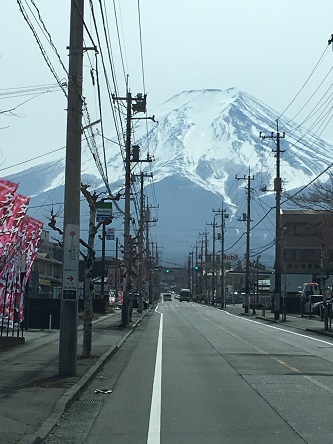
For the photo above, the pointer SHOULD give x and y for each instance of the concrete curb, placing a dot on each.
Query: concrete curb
(320, 332)
(72, 394)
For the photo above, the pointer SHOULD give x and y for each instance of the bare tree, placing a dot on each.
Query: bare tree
(89, 261)
(318, 197)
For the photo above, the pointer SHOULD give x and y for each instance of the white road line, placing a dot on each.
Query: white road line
(322, 341)
(154, 430)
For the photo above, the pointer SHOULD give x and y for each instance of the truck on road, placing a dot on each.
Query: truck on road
(185, 295)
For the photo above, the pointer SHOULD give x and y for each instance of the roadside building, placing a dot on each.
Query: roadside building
(307, 242)
(46, 275)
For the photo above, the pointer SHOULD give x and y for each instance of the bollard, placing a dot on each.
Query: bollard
(263, 308)
(50, 322)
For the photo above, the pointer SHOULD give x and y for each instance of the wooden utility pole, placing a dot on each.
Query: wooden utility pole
(136, 104)
(247, 219)
(141, 238)
(202, 271)
(206, 267)
(213, 262)
(278, 246)
(222, 213)
(71, 236)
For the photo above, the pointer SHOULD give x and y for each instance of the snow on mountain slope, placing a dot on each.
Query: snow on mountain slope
(209, 136)
(205, 138)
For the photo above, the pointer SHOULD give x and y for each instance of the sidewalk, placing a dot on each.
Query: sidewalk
(313, 324)
(32, 395)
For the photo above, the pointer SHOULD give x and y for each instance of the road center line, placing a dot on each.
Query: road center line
(154, 430)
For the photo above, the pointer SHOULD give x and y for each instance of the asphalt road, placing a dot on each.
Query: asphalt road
(195, 374)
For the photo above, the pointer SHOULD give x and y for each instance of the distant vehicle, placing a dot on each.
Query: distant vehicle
(167, 297)
(310, 288)
(185, 295)
(314, 305)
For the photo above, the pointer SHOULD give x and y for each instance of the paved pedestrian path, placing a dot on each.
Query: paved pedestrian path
(32, 395)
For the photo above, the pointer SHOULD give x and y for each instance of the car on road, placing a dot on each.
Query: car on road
(167, 297)
(185, 295)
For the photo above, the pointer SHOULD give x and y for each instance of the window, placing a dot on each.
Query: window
(307, 229)
(301, 255)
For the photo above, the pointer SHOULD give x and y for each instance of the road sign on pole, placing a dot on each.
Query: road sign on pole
(103, 211)
(110, 234)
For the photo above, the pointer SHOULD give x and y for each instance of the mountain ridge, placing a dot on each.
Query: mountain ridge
(208, 138)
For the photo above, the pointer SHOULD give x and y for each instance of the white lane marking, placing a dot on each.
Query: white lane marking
(154, 430)
(281, 329)
(294, 369)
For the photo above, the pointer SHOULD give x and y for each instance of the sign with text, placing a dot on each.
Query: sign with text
(103, 211)
(71, 261)
(110, 234)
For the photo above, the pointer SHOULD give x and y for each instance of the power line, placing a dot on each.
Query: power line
(40, 45)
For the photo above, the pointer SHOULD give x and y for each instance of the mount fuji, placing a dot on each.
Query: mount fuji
(205, 145)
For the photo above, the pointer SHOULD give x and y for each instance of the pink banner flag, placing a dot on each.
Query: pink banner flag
(33, 235)
(7, 191)
(11, 225)
(16, 271)
(11, 252)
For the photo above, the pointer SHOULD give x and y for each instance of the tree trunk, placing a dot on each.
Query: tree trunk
(87, 316)
(88, 287)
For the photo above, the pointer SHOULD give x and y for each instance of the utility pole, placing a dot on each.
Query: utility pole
(127, 218)
(71, 236)
(222, 213)
(116, 279)
(202, 282)
(247, 218)
(213, 261)
(148, 255)
(141, 237)
(189, 271)
(256, 270)
(137, 105)
(323, 278)
(278, 246)
(103, 264)
(206, 258)
(195, 271)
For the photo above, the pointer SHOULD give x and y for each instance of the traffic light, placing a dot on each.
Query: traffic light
(197, 267)
(167, 270)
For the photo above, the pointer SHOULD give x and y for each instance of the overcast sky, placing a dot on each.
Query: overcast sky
(263, 47)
